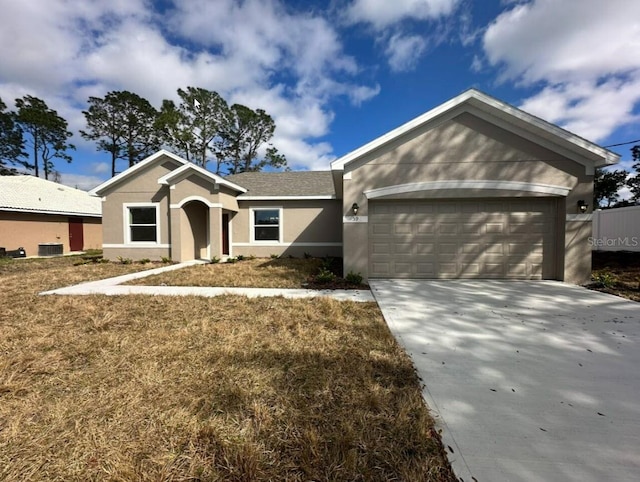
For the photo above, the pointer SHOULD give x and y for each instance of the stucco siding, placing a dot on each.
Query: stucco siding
(577, 262)
(28, 230)
(465, 148)
(196, 188)
(308, 226)
(227, 198)
(113, 214)
(92, 233)
(193, 186)
(146, 179)
(154, 254)
(140, 189)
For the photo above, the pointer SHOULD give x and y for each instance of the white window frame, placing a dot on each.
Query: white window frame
(127, 226)
(252, 230)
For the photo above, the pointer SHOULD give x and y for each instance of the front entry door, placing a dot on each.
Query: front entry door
(76, 234)
(225, 233)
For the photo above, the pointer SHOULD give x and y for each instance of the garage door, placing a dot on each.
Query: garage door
(481, 238)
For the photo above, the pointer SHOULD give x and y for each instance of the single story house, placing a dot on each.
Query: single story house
(38, 215)
(474, 188)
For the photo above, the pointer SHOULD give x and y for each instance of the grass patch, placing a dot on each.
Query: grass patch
(617, 272)
(38, 274)
(227, 388)
(249, 273)
(242, 272)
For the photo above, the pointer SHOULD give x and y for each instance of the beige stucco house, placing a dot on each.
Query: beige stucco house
(474, 188)
(37, 214)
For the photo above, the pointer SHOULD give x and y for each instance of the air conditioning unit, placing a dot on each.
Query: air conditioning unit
(50, 249)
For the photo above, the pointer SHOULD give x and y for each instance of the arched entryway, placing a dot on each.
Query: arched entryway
(195, 231)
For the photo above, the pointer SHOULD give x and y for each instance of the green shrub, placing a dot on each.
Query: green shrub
(604, 279)
(252, 256)
(240, 257)
(165, 260)
(307, 255)
(215, 260)
(353, 278)
(328, 262)
(144, 261)
(122, 260)
(325, 276)
(275, 256)
(232, 260)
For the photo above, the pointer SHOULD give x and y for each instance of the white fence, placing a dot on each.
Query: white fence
(616, 229)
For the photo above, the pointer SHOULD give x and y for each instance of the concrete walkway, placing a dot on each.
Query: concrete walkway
(529, 380)
(114, 287)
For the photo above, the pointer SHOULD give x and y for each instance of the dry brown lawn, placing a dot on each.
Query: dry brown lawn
(38, 274)
(249, 273)
(229, 388)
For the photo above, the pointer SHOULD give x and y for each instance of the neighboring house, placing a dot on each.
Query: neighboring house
(36, 212)
(474, 188)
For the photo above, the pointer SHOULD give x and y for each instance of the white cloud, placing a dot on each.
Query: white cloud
(476, 64)
(264, 38)
(383, 13)
(394, 24)
(565, 41)
(301, 155)
(254, 52)
(586, 54)
(468, 33)
(403, 52)
(45, 45)
(100, 168)
(80, 181)
(588, 108)
(362, 93)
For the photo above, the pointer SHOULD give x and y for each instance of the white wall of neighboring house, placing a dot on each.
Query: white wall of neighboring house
(616, 229)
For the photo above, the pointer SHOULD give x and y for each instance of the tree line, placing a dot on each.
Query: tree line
(607, 184)
(203, 128)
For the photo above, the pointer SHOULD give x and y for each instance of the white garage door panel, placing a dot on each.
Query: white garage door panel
(463, 239)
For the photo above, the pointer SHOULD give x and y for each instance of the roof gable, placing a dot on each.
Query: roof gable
(185, 170)
(133, 170)
(503, 115)
(189, 169)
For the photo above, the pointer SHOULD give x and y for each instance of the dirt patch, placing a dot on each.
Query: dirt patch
(617, 272)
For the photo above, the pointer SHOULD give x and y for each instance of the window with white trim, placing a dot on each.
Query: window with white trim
(266, 224)
(142, 223)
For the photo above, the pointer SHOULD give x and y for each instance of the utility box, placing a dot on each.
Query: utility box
(16, 253)
(50, 249)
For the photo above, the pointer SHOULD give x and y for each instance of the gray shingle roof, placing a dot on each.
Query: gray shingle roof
(280, 184)
(32, 194)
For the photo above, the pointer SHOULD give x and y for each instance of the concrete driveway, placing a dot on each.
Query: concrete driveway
(529, 380)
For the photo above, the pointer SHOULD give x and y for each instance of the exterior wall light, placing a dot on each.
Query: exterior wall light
(355, 208)
(582, 206)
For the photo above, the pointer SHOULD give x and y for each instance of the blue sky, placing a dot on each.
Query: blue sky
(333, 74)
